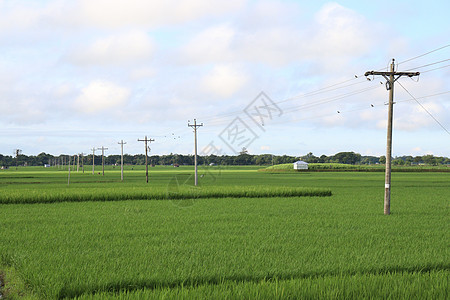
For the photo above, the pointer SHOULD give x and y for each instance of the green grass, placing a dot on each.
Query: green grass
(47, 186)
(271, 247)
(390, 285)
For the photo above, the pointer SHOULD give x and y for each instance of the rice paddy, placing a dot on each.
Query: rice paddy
(240, 234)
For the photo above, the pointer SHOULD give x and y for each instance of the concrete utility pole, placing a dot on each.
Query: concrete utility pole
(121, 159)
(391, 77)
(146, 155)
(103, 159)
(195, 141)
(93, 161)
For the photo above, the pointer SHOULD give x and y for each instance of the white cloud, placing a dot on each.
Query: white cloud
(100, 96)
(211, 45)
(141, 73)
(109, 14)
(339, 35)
(224, 81)
(417, 117)
(18, 16)
(133, 46)
(118, 13)
(336, 35)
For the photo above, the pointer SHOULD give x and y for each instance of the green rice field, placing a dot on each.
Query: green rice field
(241, 234)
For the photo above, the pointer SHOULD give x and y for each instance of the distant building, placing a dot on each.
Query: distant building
(300, 165)
(47, 166)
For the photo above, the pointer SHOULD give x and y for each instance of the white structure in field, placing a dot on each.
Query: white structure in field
(300, 165)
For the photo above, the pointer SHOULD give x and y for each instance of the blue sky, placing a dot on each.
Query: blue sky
(81, 74)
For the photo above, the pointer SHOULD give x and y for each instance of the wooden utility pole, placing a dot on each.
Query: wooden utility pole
(82, 161)
(103, 159)
(391, 77)
(93, 161)
(17, 152)
(194, 126)
(146, 155)
(121, 159)
(68, 177)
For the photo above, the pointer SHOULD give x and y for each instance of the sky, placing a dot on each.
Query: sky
(279, 77)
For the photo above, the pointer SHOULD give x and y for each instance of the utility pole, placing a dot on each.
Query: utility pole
(68, 177)
(17, 152)
(391, 77)
(78, 162)
(121, 159)
(103, 159)
(195, 142)
(82, 161)
(146, 154)
(93, 161)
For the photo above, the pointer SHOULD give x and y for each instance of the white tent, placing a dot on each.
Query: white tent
(300, 165)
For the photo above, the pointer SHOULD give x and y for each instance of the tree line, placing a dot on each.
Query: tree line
(244, 158)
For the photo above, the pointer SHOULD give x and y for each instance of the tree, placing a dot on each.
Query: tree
(398, 162)
(310, 158)
(347, 157)
(429, 159)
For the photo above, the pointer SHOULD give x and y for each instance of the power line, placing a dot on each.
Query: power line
(336, 86)
(429, 52)
(425, 109)
(446, 66)
(427, 65)
(326, 89)
(330, 99)
(313, 104)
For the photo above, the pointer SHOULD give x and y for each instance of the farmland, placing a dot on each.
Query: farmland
(229, 238)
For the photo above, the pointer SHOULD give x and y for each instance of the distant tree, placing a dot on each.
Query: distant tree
(382, 159)
(369, 160)
(429, 159)
(347, 157)
(310, 158)
(398, 162)
(323, 159)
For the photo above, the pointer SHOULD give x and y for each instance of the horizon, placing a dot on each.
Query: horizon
(278, 77)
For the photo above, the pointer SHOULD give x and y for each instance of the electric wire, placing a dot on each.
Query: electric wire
(309, 94)
(427, 65)
(336, 86)
(339, 85)
(424, 54)
(426, 71)
(424, 109)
